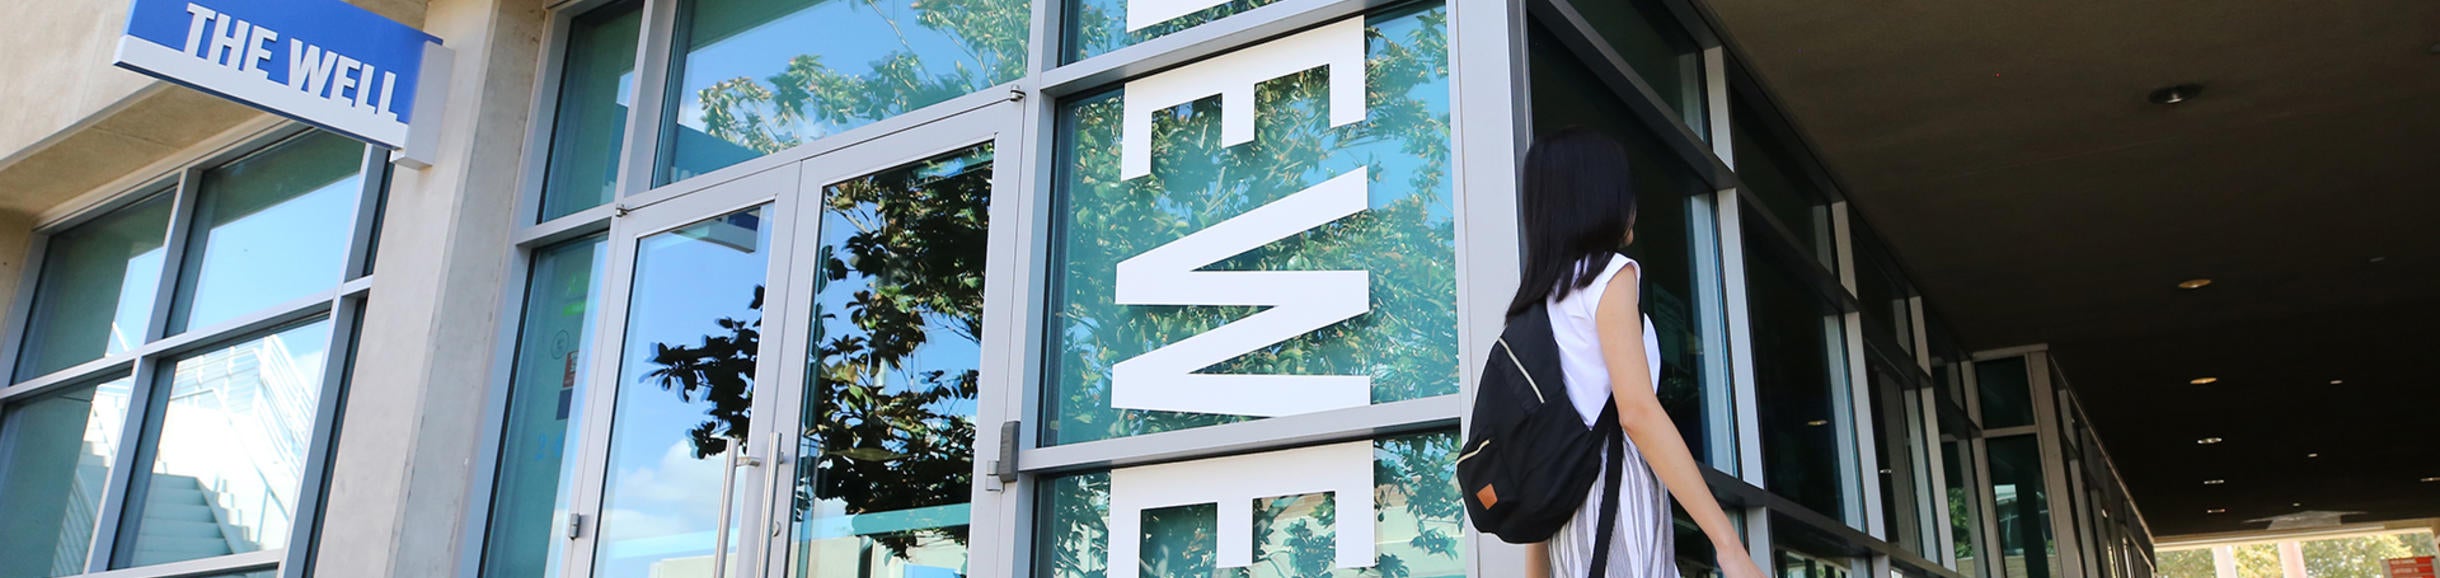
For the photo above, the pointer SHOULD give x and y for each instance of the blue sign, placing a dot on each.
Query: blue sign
(324, 62)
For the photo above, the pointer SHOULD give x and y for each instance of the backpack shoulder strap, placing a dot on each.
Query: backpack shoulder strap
(1614, 454)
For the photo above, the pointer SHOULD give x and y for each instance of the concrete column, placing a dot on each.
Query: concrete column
(2224, 561)
(2291, 558)
(401, 480)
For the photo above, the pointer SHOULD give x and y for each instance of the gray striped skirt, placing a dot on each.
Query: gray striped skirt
(1643, 545)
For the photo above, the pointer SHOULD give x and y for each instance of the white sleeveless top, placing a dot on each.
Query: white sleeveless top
(1571, 323)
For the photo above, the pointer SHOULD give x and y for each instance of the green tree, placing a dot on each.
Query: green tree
(2193, 563)
(2358, 556)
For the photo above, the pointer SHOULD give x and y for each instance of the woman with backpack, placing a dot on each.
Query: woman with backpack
(1579, 210)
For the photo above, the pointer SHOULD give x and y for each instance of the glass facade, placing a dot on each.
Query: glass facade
(2006, 394)
(50, 528)
(531, 492)
(894, 373)
(747, 80)
(1673, 241)
(2026, 545)
(1657, 48)
(1404, 237)
(589, 124)
(97, 288)
(1096, 27)
(1776, 178)
(269, 229)
(1801, 385)
(229, 452)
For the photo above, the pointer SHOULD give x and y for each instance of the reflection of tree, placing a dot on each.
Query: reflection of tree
(1408, 343)
(771, 114)
(913, 264)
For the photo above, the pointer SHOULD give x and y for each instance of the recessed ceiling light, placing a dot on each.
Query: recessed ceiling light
(1818, 423)
(2380, 259)
(2430, 480)
(2203, 380)
(2296, 504)
(2216, 511)
(2338, 382)
(2176, 94)
(2313, 455)
(2192, 284)
(2214, 482)
(2209, 441)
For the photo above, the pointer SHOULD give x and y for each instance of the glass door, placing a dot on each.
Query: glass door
(674, 458)
(905, 376)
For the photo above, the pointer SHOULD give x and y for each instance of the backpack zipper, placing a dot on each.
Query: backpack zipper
(1529, 381)
(1477, 450)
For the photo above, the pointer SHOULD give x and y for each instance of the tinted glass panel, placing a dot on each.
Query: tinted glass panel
(888, 433)
(554, 345)
(1657, 47)
(97, 288)
(1669, 232)
(2007, 398)
(1095, 27)
(270, 229)
(1799, 358)
(58, 457)
(1772, 171)
(1416, 521)
(754, 77)
(685, 387)
(590, 121)
(1404, 237)
(2025, 542)
(1964, 503)
(1892, 413)
(231, 447)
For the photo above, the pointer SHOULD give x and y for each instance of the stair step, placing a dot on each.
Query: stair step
(178, 511)
(160, 528)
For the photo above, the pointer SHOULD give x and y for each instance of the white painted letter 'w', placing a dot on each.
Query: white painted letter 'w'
(1299, 302)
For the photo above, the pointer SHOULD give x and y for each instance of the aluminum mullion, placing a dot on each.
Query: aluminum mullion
(118, 514)
(173, 254)
(1491, 116)
(1028, 244)
(601, 395)
(1864, 545)
(258, 560)
(1361, 422)
(346, 320)
(542, 114)
(1210, 39)
(997, 510)
(373, 180)
(283, 314)
(1741, 337)
(65, 377)
(1944, 532)
(497, 395)
(591, 221)
(639, 145)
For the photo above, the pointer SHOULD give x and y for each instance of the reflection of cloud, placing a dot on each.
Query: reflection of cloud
(676, 495)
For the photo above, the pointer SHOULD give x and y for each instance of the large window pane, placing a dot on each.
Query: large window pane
(2007, 395)
(229, 455)
(1095, 27)
(1416, 522)
(753, 77)
(1799, 371)
(57, 458)
(97, 287)
(1657, 47)
(1773, 171)
(1405, 237)
(554, 344)
(1964, 503)
(1669, 228)
(685, 388)
(591, 116)
(1893, 416)
(2026, 546)
(888, 433)
(270, 229)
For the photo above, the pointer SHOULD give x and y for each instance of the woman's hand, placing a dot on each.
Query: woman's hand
(1734, 563)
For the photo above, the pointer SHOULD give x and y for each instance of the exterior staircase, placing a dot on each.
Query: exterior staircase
(181, 524)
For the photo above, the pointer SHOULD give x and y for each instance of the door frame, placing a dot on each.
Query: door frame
(991, 536)
(771, 188)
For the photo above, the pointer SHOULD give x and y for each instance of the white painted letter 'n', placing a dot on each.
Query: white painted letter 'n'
(1298, 302)
(1344, 470)
(1338, 46)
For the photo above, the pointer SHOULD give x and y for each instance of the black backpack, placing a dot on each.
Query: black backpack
(1529, 461)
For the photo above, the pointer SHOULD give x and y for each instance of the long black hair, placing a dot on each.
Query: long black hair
(1579, 206)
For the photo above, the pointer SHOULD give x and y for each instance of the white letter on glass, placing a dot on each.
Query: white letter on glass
(1299, 302)
(1233, 483)
(1339, 46)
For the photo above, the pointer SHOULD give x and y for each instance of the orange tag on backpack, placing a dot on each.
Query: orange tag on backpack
(1488, 497)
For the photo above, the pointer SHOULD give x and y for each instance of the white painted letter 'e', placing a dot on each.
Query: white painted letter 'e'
(1299, 302)
(1338, 45)
(1233, 483)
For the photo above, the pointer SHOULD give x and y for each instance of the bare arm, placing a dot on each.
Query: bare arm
(1639, 410)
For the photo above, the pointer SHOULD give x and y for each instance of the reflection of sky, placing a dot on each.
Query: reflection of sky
(685, 280)
(282, 252)
(847, 35)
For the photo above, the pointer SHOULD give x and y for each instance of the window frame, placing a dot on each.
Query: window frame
(150, 364)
